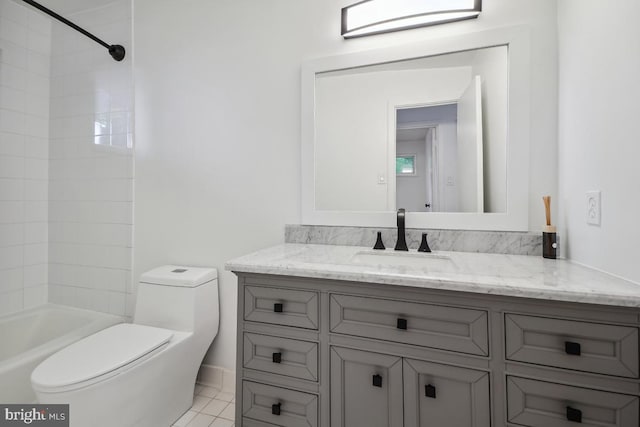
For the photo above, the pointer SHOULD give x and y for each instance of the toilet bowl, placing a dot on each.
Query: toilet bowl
(142, 373)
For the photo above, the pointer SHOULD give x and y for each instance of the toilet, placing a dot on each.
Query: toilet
(142, 373)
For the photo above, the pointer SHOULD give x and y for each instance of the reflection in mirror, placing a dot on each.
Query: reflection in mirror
(426, 134)
(447, 168)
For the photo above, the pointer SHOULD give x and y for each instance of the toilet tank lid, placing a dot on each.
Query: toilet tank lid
(176, 275)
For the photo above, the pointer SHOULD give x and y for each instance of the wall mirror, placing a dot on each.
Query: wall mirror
(437, 128)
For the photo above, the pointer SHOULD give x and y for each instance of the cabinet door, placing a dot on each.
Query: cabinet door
(366, 389)
(445, 396)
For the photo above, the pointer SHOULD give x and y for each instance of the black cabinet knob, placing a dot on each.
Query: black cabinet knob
(572, 348)
(430, 391)
(275, 409)
(276, 357)
(402, 324)
(277, 307)
(574, 414)
(377, 381)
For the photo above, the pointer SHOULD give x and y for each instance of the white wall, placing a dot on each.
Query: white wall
(25, 43)
(599, 63)
(91, 164)
(218, 122)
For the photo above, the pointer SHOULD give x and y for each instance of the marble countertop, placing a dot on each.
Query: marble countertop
(494, 274)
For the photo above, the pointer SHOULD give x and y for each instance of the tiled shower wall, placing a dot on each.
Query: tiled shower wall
(91, 163)
(24, 121)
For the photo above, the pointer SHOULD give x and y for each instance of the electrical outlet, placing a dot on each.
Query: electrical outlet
(593, 207)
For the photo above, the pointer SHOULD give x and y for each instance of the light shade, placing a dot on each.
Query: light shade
(382, 16)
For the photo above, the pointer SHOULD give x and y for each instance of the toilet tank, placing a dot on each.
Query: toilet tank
(179, 298)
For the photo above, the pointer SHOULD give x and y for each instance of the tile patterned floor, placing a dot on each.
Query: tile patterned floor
(211, 408)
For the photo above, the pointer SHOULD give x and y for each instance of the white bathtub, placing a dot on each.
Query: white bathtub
(30, 336)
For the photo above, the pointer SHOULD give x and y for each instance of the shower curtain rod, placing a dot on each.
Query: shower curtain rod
(116, 51)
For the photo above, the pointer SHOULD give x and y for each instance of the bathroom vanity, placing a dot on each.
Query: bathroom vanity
(345, 336)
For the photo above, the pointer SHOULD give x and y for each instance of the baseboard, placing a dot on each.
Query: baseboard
(217, 377)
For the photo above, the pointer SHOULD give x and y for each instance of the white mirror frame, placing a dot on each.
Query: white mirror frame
(516, 217)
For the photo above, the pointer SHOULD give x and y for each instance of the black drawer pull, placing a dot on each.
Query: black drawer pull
(377, 381)
(277, 307)
(430, 391)
(574, 415)
(572, 348)
(275, 409)
(402, 324)
(276, 357)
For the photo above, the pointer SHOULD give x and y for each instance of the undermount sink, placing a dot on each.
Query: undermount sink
(402, 259)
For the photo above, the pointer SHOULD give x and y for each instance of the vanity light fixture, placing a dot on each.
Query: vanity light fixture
(370, 17)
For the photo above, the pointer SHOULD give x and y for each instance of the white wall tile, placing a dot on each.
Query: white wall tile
(11, 234)
(35, 211)
(36, 275)
(117, 303)
(36, 168)
(11, 189)
(13, 77)
(37, 104)
(11, 280)
(37, 148)
(36, 232)
(35, 190)
(39, 23)
(39, 42)
(100, 300)
(14, 11)
(12, 121)
(38, 63)
(36, 126)
(13, 54)
(35, 296)
(11, 257)
(11, 144)
(35, 254)
(90, 255)
(13, 31)
(11, 167)
(13, 99)
(11, 302)
(11, 212)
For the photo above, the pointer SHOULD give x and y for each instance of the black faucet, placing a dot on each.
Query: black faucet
(401, 244)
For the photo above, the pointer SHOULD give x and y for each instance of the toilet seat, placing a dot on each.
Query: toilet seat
(99, 356)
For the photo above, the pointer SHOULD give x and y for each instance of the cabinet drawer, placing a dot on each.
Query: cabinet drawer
(279, 406)
(445, 396)
(286, 307)
(582, 346)
(283, 356)
(544, 404)
(448, 328)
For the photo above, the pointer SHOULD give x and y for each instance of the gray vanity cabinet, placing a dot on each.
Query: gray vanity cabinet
(445, 396)
(329, 353)
(366, 389)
